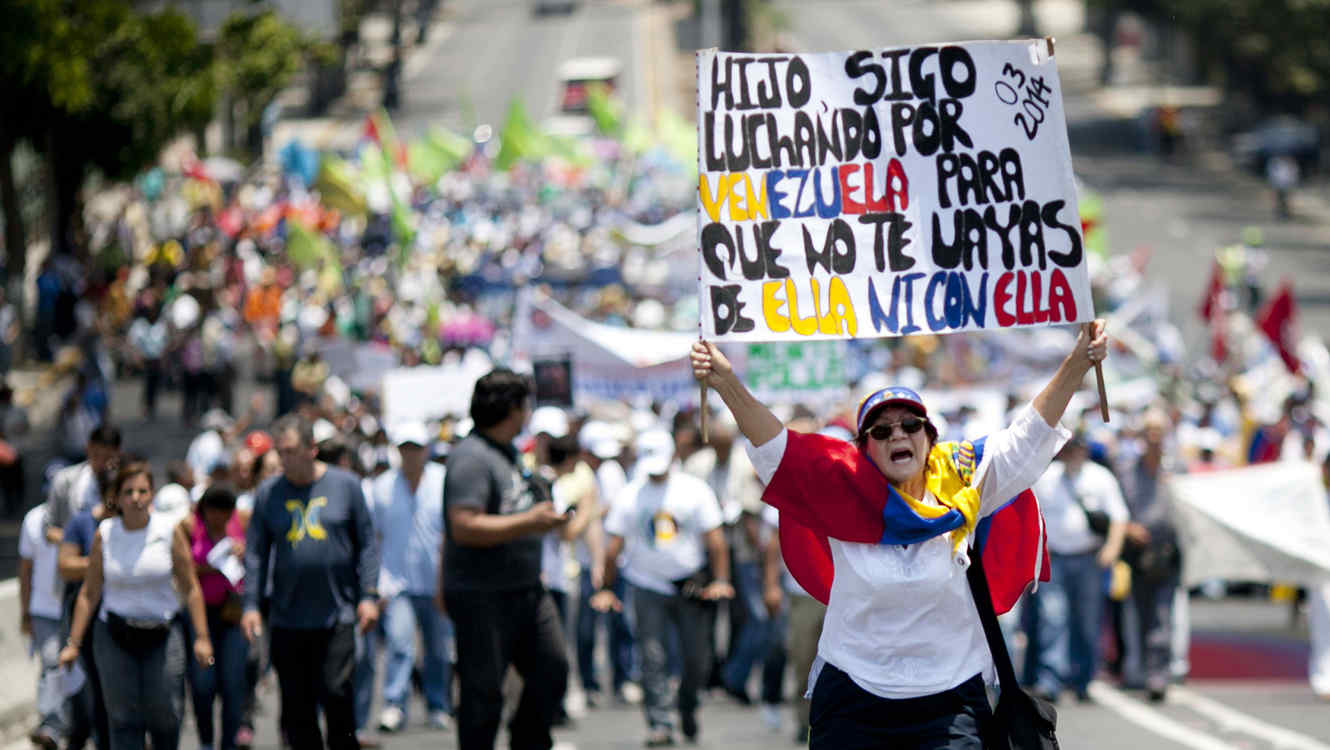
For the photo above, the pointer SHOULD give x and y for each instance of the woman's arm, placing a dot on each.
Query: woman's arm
(1091, 347)
(89, 594)
(1014, 458)
(72, 564)
(182, 569)
(755, 420)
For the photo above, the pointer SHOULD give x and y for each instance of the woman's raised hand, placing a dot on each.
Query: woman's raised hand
(709, 363)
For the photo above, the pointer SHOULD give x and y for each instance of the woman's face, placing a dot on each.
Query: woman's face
(216, 519)
(135, 497)
(901, 457)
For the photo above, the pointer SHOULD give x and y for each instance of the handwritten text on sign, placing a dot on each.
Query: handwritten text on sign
(885, 193)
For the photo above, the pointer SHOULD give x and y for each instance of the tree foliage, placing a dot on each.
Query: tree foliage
(1276, 51)
(257, 56)
(94, 84)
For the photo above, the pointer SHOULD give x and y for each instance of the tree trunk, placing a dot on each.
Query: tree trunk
(65, 180)
(16, 243)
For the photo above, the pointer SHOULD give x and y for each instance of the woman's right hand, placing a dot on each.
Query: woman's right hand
(710, 365)
(68, 655)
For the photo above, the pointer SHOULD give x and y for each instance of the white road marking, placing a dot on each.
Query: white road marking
(1142, 715)
(1231, 719)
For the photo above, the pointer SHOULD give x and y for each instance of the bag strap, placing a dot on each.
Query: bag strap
(983, 601)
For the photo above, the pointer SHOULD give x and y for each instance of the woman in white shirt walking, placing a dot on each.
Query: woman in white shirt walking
(902, 659)
(137, 563)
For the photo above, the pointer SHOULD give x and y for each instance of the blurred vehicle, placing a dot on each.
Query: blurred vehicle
(580, 73)
(1282, 136)
(553, 7)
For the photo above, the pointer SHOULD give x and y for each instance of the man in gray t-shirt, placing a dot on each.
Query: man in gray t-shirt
(495, 517)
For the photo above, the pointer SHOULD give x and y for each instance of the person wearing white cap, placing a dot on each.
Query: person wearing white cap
(600, 452)
(669, 526)
(407, 504)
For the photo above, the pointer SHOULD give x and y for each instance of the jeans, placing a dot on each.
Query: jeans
(314, 669)
(847, 717)
(658, 616)
(52, 712)
(621, 637)
(145, 693)
(496, 629)
(365, 674)
(751, 640)
(403, 617)
(226, 679)
(1063, 621)
(775, 660)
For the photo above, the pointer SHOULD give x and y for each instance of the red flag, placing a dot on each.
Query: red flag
(371, 130)
(1210, 303)
(1277, 320)
(1218, 339)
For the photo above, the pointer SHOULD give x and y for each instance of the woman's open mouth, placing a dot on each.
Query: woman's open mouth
(901, 456)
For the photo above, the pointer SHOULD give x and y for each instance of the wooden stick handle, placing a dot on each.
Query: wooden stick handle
(702, 408)
(1103, 395)
(1099, 380)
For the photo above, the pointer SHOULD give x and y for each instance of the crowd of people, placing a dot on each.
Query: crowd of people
(361, 561)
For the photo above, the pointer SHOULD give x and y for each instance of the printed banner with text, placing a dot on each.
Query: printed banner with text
(885, 193)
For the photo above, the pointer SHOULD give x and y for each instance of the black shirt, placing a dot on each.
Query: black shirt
(486, 476)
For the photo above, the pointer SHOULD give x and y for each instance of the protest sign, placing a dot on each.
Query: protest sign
(791, 371)
(424, 393)
(885, 193)
(1264, 523)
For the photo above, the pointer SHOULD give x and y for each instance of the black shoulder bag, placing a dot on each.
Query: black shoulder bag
(1097, 520)
(1021, 721)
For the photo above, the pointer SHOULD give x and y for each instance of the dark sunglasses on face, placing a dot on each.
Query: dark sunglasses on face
(909, 426)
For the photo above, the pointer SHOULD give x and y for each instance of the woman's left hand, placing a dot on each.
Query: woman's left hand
(1091, 344)
(203, 652)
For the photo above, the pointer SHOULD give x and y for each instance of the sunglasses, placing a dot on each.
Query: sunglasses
(909, 426)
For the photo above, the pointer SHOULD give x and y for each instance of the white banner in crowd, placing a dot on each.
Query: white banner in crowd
(885, 192)
(425, 393)
(618, 363)
(1264, 523)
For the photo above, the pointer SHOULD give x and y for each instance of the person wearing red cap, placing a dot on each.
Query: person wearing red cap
(881, 529)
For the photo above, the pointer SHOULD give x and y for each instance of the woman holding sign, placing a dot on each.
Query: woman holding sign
(881, 529)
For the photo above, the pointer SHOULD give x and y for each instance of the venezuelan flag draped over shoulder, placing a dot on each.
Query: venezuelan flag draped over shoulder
(829, 489)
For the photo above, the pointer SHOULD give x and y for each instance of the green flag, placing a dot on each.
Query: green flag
(306, 248)
(604, 111)
(517, 140)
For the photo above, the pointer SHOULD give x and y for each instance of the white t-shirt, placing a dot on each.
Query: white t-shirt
(610, 480)
(32, 545)
(901, 621)
(662, 525)
(1068, 530)
(137, 568)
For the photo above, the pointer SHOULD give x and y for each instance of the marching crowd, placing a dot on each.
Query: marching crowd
(359, 560)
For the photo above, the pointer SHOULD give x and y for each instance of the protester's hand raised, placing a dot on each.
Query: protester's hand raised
(1091, 345)
(709, 363)
(544, 517)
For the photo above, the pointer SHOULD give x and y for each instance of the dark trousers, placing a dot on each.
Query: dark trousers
(662, 619)
(314, 669)
(1152, 602)
(226, 679)
(620, 637)
(496, 629)
(846, 717)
